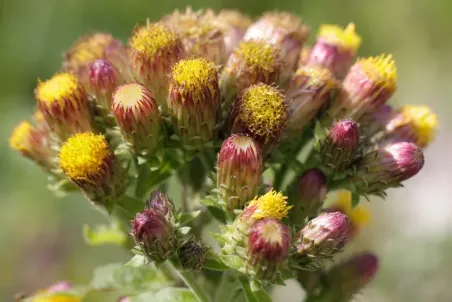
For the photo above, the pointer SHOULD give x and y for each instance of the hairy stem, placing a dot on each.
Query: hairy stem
(190, 281)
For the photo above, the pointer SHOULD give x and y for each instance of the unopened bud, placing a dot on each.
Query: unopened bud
(33, 143)
(233, 25)
(194, 97)
(388, 167)
(253, 62)
(261, 112)
(192, 255)
(375, 122)
(268, 248)
(282, 29)
(154, 234)
(138, 117)
(87, 161)
(308, 91)
(335, 49)
(323, 235)
(239, 170)
(103, 79)
(339, 149)
(153, 50)
(161, 203)
(64, 104)
(304, 56)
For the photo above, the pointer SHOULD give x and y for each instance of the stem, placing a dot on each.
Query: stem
(222, 290)
(190, 281)
(256, 296)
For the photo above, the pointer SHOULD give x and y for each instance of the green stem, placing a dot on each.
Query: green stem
(190, 281)
(223, 288)
(254, 296)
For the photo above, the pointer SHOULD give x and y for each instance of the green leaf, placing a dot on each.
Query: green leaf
(169, 294)
(127, 279)
(104, 234)
(217, 213)
(184, 230)
(355, 199)
(184, 218)
(214, 263)
(232, 261)
(319, 131)
(138, 261)
(130, 204)
(259, 295)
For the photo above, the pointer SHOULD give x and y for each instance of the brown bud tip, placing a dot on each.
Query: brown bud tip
(323, 235)
(312, 193)
(192, 255)
(103, 79)
(239, 170)
(160, 202)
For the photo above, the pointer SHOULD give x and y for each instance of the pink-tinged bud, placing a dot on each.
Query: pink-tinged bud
(308, 91)
(304, 56)
(369, 84)
(64, 104)
(376, 122)
(388, 167)
(33, 143)
(154, 234)
(239, 171)
(153, 49)
(311, 194)
(192, 255)
(323, 235)
(335, 49)
(268, 248)
(161, 203)
(138, 117)
(347, 279)
(193, 101)
(90, 48)
(261, 112)
(282, 29)
(201, 36)
(103, 79)
(339, 149)
(233, 25)
(252, 62)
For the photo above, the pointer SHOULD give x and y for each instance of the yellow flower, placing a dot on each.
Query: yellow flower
(345, 38)
(58, 297)
(271, 205)
(359, 216)
(60, 88)
(381, 70)
(422, 120)
(153, 39)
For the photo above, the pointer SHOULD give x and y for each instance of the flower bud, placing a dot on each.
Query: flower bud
(192, 255)
(304, 56)
(138, 117)
(376, 122)
(153, 50)
(160, 203)
(90, 48)
(200, 35)
(311, 194)
(239, 170)
(253, 62)
(309, 90)
(154, 234)
(414, 123)
(233, 24)
(282, 29)
(268, 248)
(260, 111)
(33, 143)
(388, 167)
(103, 79)
(323, 235)
(335, 49)
(87, 160)
(340, 147)
(194, 97)
(64, 105)
(369, 84)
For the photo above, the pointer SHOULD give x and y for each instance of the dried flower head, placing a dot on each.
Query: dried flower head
(192, 255)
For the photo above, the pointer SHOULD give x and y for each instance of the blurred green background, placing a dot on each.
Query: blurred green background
(40, 235)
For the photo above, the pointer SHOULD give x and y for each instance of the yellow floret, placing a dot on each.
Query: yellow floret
(260, 54)
(271, 205)
(346, 38)
(359, 216)
(317, 76)
(423, 121)
(83, 155)
(381, 71)
(20, 137)
(59, 88)
(128, 95)
(153, 38)
(57, 298)
(88, 49)
(263, 110)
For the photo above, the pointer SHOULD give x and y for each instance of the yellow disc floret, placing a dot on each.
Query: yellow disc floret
(345, 38)
(359, 215)
(59, 88)
(87, 49)
(20, 137)
(153, 38)
(263, 110)
(422, 120)
(381, 70)
(259, 53)
(271, 205)
(83, 155)
(317, 76)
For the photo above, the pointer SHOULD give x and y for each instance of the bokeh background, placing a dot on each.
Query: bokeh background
(40, 235)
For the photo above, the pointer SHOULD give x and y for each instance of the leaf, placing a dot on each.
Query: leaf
(104, 234)
(214, 263)
(217, 213)
(138, 261)
(184, 230)
(355, 199)
(127, 278)
(319, 131)
(259, 295)
(168, 294)
(130, 204)
(184, 218)
(232, 261)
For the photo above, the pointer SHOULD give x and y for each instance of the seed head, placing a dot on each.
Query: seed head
(192, 255)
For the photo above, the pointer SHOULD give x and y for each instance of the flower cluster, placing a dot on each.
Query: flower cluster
(225, 105)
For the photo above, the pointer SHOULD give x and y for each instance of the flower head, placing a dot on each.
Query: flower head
(270, 205)
(64, 104)
(138, 117)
